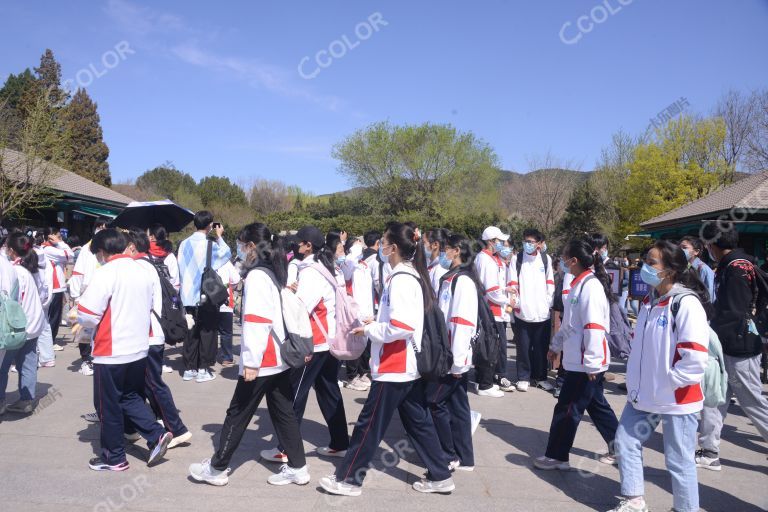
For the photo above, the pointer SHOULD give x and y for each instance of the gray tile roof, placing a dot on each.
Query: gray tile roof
(66, 181)
(750, 193)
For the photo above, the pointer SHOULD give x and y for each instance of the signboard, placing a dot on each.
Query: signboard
(613, 275)
(64, 233)
(637, 288)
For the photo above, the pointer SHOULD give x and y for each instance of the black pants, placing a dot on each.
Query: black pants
(85, 351)
(383, 400)
(449, 405)
(577, 395)
(226, 322)
(245, 401)
(118, 396)
(495, 372)
(200, 346)
(361, 365)
(322, 373)
(532, 341)
(159, 394)
(55, 309)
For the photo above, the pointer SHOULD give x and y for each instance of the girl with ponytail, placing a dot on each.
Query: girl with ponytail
(21, 253)
(586, 357)
(395, 338)
(262, 371)
(322, 369)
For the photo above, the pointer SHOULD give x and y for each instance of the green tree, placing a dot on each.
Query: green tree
(169, 182)
(426, 168)
(15, 102)
(585, 212)
(681, 165)
(87, 153)
(219, 190)
(49, 79)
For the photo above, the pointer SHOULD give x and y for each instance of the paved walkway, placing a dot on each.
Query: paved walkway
(43, 459)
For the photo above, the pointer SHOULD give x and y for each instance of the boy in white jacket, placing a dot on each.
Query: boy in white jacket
(586, 357)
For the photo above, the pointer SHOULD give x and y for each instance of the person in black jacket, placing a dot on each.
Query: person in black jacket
(735, 291)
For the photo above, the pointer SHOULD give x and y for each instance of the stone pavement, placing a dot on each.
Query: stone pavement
(43, 459)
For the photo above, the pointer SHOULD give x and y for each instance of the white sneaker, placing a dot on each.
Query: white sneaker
(203, 472)
(332, 486)
(289, 475)
(13, 369)
(328, 452)
(545, 385)
(274, 455)
(189, 375)
(608, 458)
(91, 417)
(86, 368)
(357, 385)
(183, 438)
(428, 486)
(492, 392)
(167, 369)
(205, 376)
(58, 348)
(522, 385)
(628, 506)
(475, 420)
(548, 464)
(506, 385)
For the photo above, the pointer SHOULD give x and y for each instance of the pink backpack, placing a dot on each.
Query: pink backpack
(345, 345)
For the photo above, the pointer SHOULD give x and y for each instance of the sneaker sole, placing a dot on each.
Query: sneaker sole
(287, 482)
(106, 468)
(710, 468)
(217, 483)
(182, 439)
(551, 468)
(336, 492)
(338, 455)
(436, 491)
(159, 451)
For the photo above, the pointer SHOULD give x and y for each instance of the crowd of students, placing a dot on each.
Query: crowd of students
(395, 278)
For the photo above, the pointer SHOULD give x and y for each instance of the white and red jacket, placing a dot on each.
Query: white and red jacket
(156, 335)
(320, 298)
(665, 368)
(535, 287)
(262, 318)
(435, 273)
(399, 325)
(85, 265)
(230, 277)
(363, 286)
(460, 310)
(44, 278)
(493, 276)
(293, 270)
(59, 255)
(586, 322)
(29, 298)
(118, 303)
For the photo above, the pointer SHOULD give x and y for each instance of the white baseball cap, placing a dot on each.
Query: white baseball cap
(492, 232)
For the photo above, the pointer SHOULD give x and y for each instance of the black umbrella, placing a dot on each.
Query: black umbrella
(144, 214)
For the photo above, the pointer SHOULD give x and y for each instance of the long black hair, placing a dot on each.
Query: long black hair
(587, 257)
(160, 235)
(326, 254)
(467, 256)
(22, 245)
(404, 237)
(269, 251)
(439, 236)
(673, 259)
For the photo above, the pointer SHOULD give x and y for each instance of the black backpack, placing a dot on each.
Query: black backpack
(519, 264)
(213, 292)
(171, 318)
(485, 343)
(435, 359)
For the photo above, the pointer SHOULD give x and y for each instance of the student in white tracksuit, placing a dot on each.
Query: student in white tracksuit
(586, 358)
(434, 245)
(322, 370)
(447, 397)
(395, 337)
(262, 370)
(59, 255)
(664, 372)
(25, 262)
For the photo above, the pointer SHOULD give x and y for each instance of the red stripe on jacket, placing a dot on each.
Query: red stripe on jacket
(394, 357)
(318, 338)
(102, 340)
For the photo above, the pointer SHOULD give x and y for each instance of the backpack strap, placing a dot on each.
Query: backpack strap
(209, 254)
(675, 307)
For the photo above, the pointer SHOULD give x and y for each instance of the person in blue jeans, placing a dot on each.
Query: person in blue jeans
(664, 373)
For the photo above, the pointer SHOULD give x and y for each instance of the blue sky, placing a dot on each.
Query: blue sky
(216, 88)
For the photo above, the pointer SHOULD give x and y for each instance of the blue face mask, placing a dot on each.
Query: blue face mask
(529, 248)
(543, 248)
(505, 252)
(444, 261)
(563, 268)
(340, 260)
(242, 254)
(427, 252)
(604, 253)
(498, 247)
(384, 258)
(650, 276)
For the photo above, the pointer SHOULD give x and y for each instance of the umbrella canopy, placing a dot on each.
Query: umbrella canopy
(144, 214)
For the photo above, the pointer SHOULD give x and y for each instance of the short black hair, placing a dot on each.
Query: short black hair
(371, 237)
(203, 219)
(533, 233)
(138, 237)
(101, 222)
(720, 237)
(109, 240)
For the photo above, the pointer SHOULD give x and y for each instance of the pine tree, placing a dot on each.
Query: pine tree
(585, 212)
(15, 104)
(87, 152)
(49, 79)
